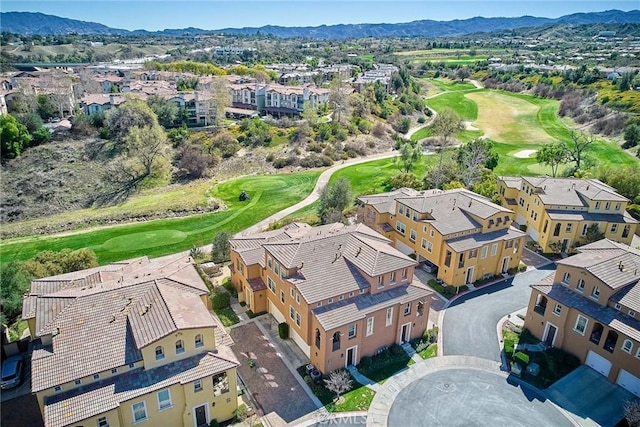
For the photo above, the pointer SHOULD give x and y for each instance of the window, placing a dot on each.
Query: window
(352, 331)
(114, 371)
(179, 347)
(318, 338)
(461, 260)
(276, 269)
(401, 209)
(483, 252)
(566, 278)
(580, 285)
(139, 411)
(595, 293)
(617, 306)
(447, 259)
(569, 227)
(57, 389)
(269, 262)
(508, 244)
(389, 320)
(400, 227)
(420, 309)
(627, 346)
(281, 296)
(199, 341)
(96, 377)
(407, 309)
(638, 353)
(617, 206)
(292, 292)
(341, 297)
(330, 301)
(581, 325)
(380, 284)
(407, 213)
(197, 385)
(473, 253)
(429, 247)
(335, 342)
(392, 278)
(597, 205)
(607, 206)
(78, 382)
(298, 320)
(102, 422)
(319, 304)
(625, 231)
(370, 321)
(546, 224)
(298, 298)
(557, 309)
(271, 285)
(632, 313)
(132, 365)
(404, 274)
(584, 229)
(159, 353)
(494, 249)
(415, 215)
(431, 233)
(164, 399)
(292, 313)
(412, 235)
(423, 243)
(614, 228)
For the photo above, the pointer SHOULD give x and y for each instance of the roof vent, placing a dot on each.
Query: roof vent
(621, 266)
(587, 188)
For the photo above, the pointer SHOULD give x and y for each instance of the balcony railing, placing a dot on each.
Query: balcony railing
(540, 309)
(609, 345)
(595, 337)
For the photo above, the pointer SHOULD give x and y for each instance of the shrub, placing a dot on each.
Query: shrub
(214, 423)
(283, 330)
(220, 300)
(523, 227)
(242, 303)
(396, 350)
(521, 357)
(251, 314)
(366, 362)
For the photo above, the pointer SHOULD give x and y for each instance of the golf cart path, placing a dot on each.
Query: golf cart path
(323, 179)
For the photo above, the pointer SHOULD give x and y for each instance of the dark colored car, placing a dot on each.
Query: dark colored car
(12, 368)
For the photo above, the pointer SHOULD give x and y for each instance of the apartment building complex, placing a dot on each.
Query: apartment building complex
(130, 343)
(590, 307)
(559, 211)
(343, 290)
(465, 235)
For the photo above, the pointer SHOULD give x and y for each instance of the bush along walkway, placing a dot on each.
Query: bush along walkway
(362, 379)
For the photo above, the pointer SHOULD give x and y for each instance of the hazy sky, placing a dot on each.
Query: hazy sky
(214, 14)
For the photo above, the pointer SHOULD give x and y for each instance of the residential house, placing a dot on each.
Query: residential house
(343, 290)
(557, 212)
(93, 103)
(590, 308)
(130, 343)
(466, 236)
(289, 100)
(381, 73)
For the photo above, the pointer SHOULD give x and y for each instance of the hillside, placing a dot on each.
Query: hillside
(37, 23)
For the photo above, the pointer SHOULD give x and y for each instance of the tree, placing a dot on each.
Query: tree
(410, 154)
(132, 113)
(445, 125)
(463, 73)
(14, 282)
(46, 107)
(632, 413)
(167, 111)
(578, 147)
(220, 249)
(31, 121)
(339, 382)
(631, 135)
(405, 179)
(145, 145)
(14, 136)
(216, 94)
(309, 113)
(339, 99)
(334, 198)
(488, 186)
(51, 263)
(193, 160)
(473, 157)
(553, 155)
(593, 234)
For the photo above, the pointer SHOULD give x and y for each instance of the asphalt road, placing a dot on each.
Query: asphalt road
(469, 325)
(470, 397)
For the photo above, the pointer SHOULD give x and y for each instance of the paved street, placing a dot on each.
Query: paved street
(469, 325)
(470, 397)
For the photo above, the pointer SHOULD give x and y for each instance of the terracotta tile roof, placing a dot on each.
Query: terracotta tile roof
(80, 403)
(103, 326)
(349, 310)
(604, 314)
(257, 284)
(614, 264)
(28, 307)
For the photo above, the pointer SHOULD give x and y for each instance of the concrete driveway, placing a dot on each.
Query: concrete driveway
(588, 395)
(469, 326)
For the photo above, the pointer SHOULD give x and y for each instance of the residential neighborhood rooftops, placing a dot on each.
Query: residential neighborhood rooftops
(619, 217)
(356, 308)
(566, 191)
(614, 264)
(99, 397)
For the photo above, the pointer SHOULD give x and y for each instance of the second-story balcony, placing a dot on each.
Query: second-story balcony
(540, 309)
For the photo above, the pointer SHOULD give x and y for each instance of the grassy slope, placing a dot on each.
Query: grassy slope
(270, 194)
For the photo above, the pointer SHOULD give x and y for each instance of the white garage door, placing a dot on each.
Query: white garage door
(275, 312)
(599, 363)
(629, 382)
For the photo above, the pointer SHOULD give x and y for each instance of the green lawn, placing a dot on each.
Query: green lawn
(465, 107)
(227, 316)
(429, 352)
(382, 366)
(357, 399)
(270, 194)
(447, 85)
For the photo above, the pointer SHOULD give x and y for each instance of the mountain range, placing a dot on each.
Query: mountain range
(28, 23)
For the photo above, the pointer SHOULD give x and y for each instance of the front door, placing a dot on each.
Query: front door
(351, 356)
(565, 245)
(469, 275)
(200, 415)
(551, 334)
(505, 264)
(405, 333)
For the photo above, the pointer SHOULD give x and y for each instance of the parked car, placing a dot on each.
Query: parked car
(12, 368)
(430, 267)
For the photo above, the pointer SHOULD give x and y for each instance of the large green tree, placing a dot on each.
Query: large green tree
(166, 110)
(333, 200)
(410, 154)
(14, 136)
(553, 155)
(132, 113)
(445, 125)
(14, 282)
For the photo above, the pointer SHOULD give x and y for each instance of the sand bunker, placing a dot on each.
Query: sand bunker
(524, 154)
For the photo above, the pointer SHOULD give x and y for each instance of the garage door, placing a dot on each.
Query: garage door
(629, 382)
(275, 312)
(599, 363)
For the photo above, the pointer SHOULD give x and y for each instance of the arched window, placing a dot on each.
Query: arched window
(336, 341)
(179, 347)
(580, 285)
(199, 341)
(566, 278)
(627, 346)
(317, 338)
(159, 353)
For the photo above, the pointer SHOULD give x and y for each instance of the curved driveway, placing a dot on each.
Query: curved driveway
(469, 325)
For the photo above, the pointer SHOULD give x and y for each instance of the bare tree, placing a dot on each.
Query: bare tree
(445, 125)
(578, 148)
(339, 382)
(339, 99)
(632, 413)
(472, 158)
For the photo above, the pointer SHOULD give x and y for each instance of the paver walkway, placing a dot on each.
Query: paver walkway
(270, 381)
